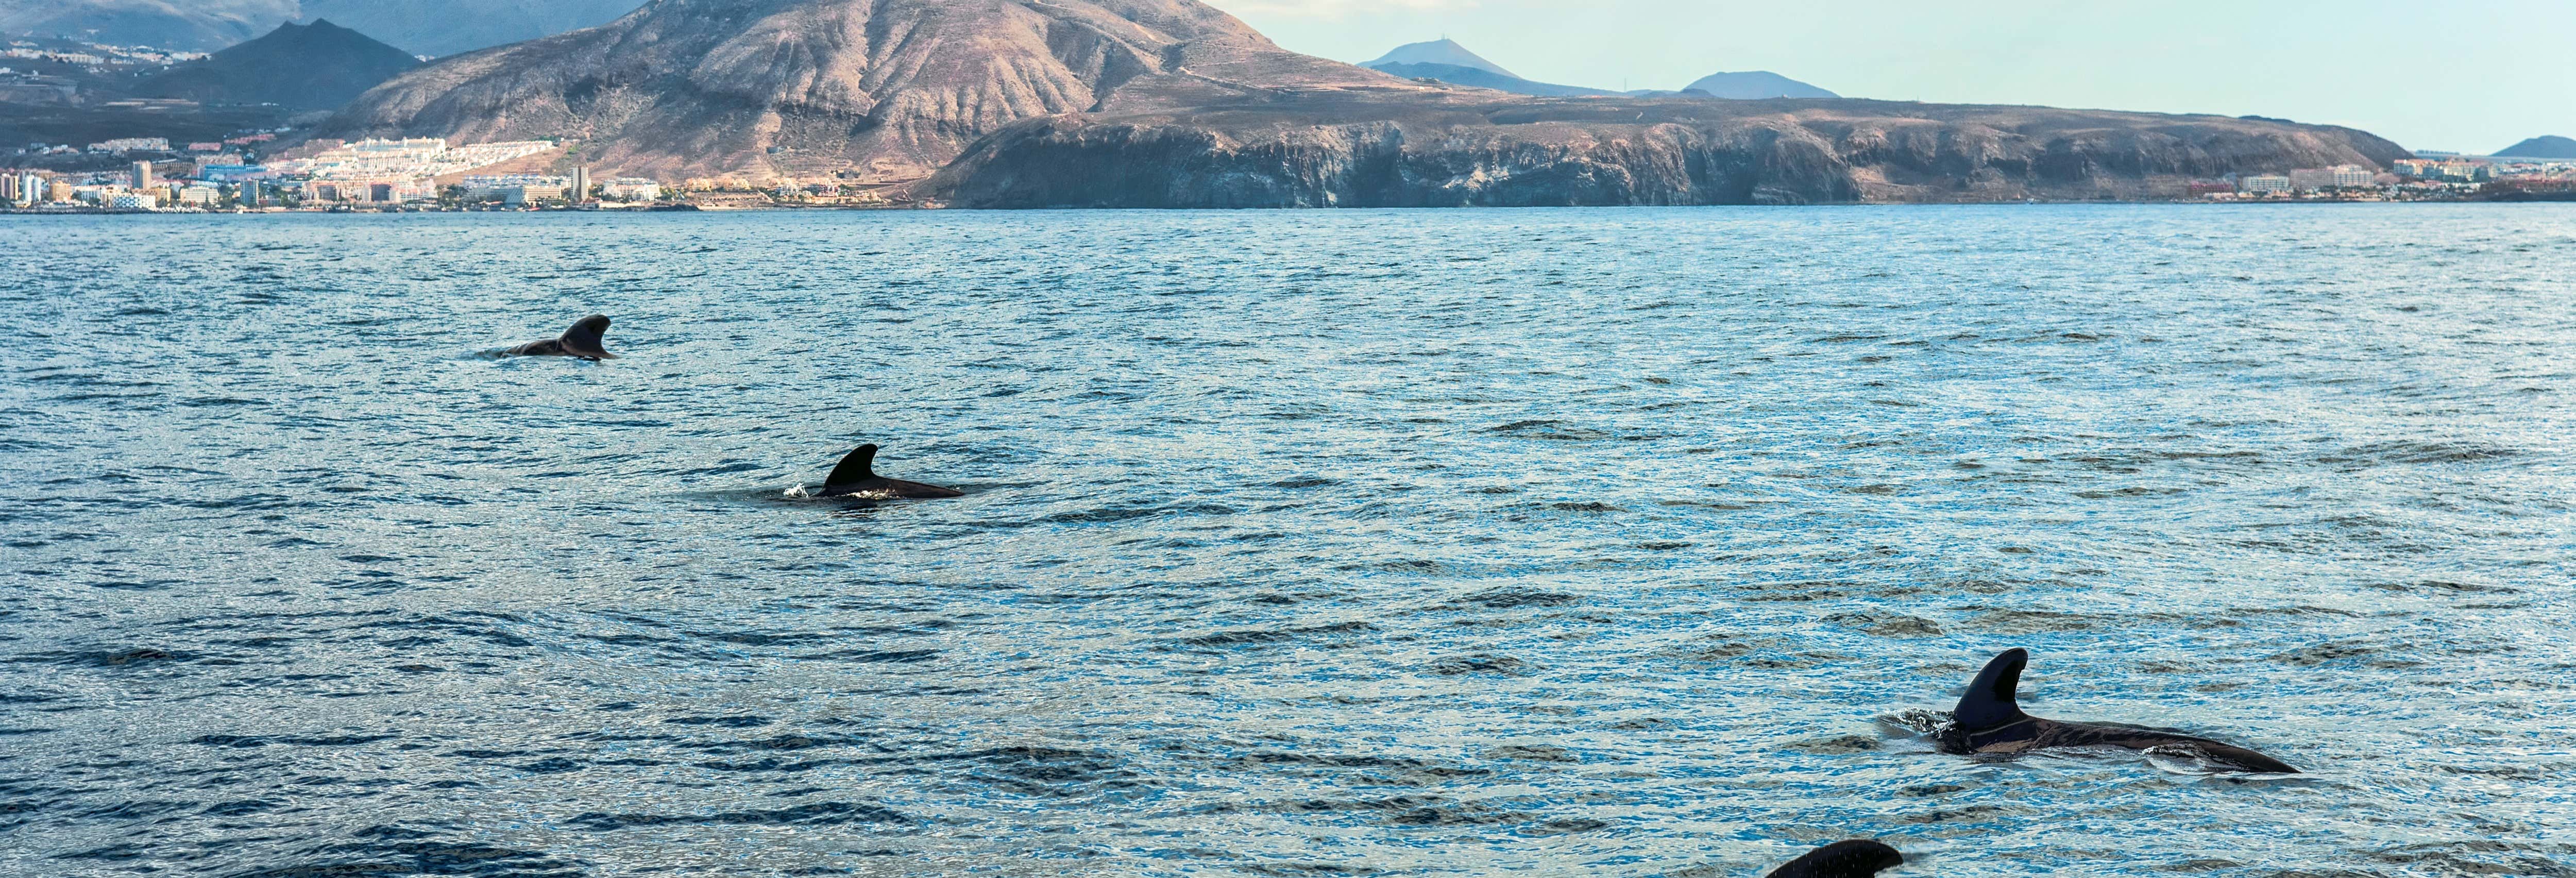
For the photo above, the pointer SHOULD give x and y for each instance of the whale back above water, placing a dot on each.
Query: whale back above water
(1858, 858)
(1989, 719)
(584, 340)
(856, 476)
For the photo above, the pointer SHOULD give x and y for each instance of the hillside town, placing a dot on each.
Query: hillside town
(409, 174)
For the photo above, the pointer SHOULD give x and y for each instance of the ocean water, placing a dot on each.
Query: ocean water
(1582, 542)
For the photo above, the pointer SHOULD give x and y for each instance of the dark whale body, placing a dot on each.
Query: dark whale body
(1989, 720)
(857, 477)
(1859, 858)
(582, 340)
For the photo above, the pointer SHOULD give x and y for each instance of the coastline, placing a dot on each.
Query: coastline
(2551, 198)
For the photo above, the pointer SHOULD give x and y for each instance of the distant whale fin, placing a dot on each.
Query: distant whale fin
(858, 467)
(1858, 858)
(585, 337)
(1990, 702)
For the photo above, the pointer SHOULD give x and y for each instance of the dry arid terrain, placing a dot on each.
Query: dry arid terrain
(1173, 103)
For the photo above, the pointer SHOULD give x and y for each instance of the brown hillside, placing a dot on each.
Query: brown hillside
(883, 89)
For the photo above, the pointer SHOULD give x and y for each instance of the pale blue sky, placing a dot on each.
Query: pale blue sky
(2463, 75)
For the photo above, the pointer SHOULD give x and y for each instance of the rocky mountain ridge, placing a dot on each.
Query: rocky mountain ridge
(1476, 149)
(866, 89)
(1172, 103)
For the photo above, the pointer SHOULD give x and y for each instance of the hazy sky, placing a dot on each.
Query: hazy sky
(2464, 75)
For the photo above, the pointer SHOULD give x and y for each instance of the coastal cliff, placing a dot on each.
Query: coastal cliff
(1469, 148)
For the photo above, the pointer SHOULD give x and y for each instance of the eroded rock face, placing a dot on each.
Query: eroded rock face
(1467, 148)
(891, 89)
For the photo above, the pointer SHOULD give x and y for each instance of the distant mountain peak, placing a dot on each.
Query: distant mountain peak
(2551, 147)
(1477, 77)
(1442, 51)
(1755, 85)
(316, 66)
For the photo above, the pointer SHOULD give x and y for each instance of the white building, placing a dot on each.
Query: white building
(2354, 177)
(135, 201)
(2311, 179)
(516, 189)
(130, 144)
(414, 158)
(523, 195)
(631, 189)
(2263, 184)
(200, 196)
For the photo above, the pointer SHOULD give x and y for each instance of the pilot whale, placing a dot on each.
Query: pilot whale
(857, 477)
(1859, 858)
(1989, 720)
(582, 340)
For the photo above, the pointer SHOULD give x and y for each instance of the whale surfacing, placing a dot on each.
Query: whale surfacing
(1858, 858)
(582, 340)
(1989, 720)
(856, 476)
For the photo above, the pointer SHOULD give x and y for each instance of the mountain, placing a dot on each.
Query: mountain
(446, 27)
(319, 66)
(878, 89)
(185, 25)
(1754, 86)
(1482, 78)
(1464, 148)
(429, 27)
(2541, 148)
(1440, 51)
(1171, 103)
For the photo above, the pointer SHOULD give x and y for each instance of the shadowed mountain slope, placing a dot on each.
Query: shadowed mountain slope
(1478, 148)
(319, 66)
(799, 88)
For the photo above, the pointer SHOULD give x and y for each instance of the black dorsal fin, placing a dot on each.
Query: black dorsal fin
(585, 336)
(1858, 858)
(1990, 702)
(858, 467)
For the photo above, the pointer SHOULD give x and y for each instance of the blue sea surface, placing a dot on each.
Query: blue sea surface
(1561, 542)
